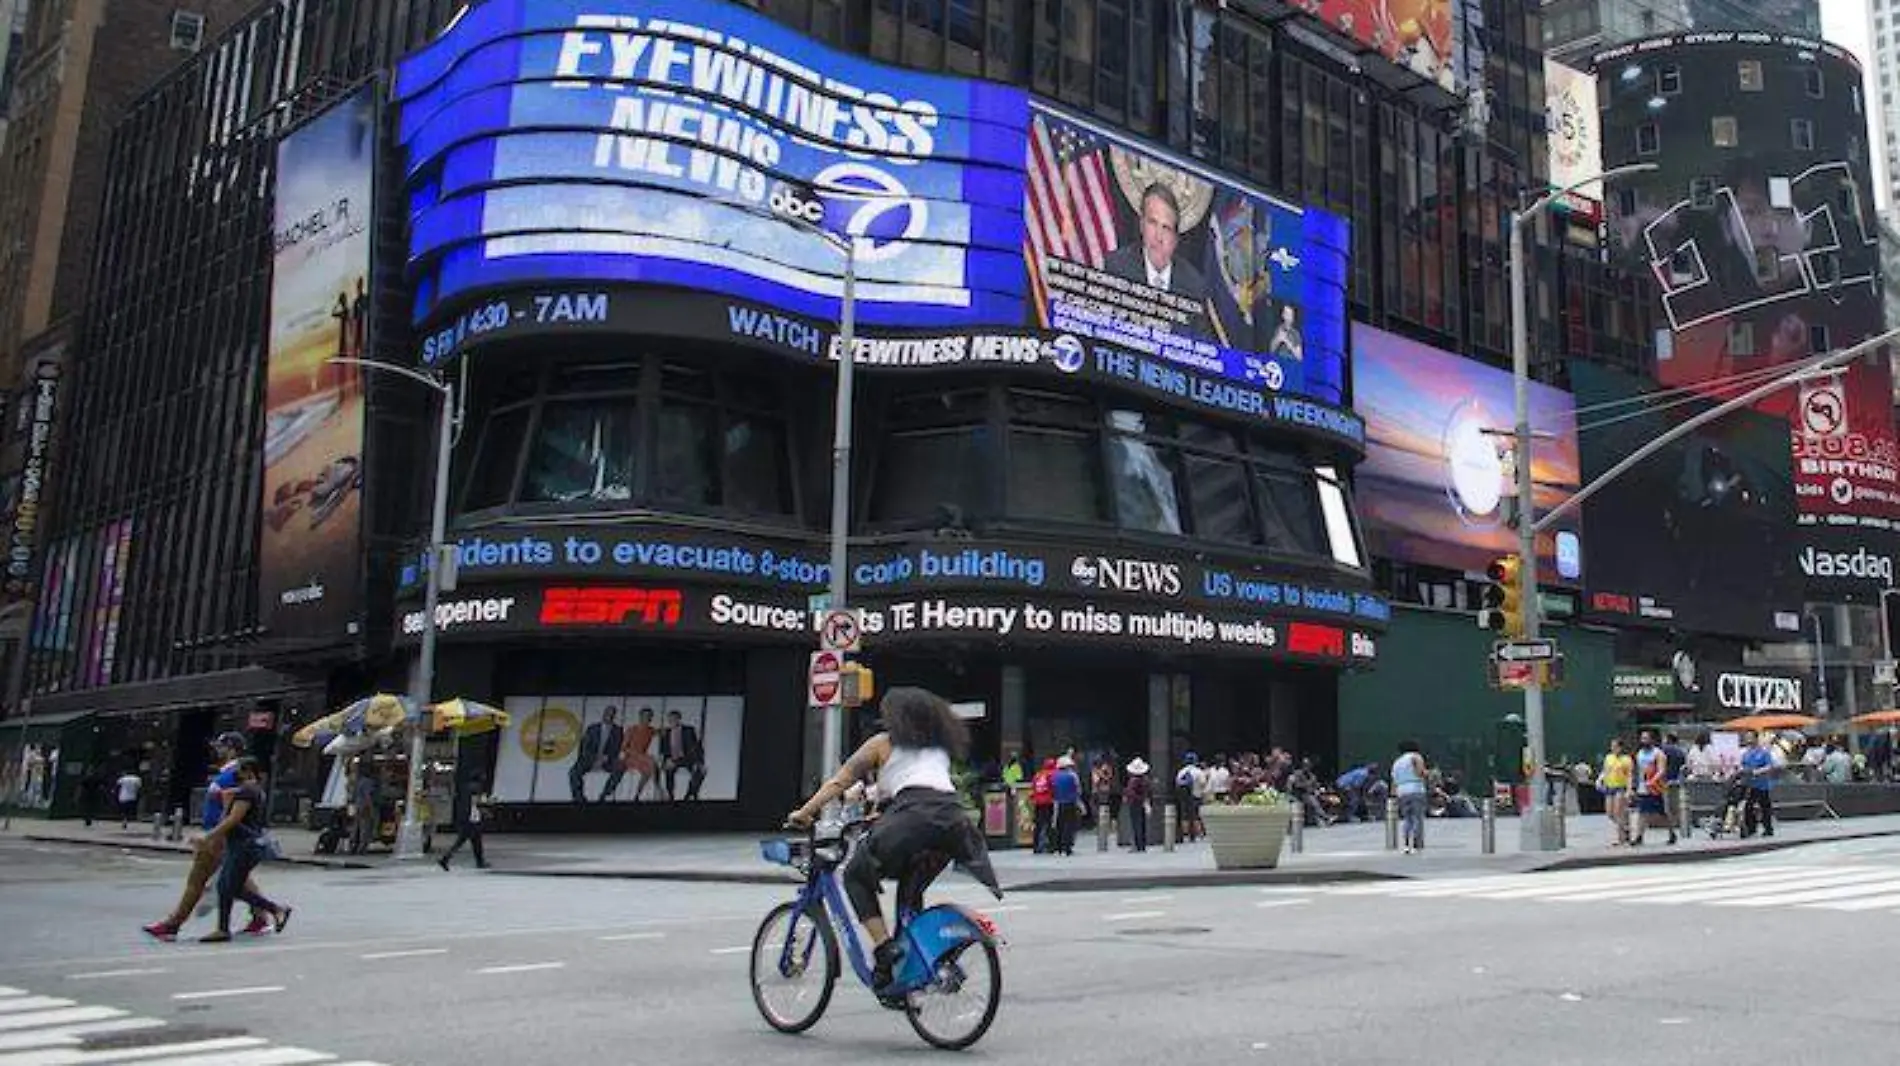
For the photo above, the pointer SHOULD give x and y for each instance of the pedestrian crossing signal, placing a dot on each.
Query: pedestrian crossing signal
(858, 685)
(1503, 599)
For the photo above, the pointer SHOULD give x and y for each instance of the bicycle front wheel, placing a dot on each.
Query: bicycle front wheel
(793, 987)
(955, 1008)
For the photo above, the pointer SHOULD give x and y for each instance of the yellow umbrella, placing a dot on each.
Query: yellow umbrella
(466, 717)
(367, 715)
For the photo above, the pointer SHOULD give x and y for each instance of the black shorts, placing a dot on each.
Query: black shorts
(1649, 803)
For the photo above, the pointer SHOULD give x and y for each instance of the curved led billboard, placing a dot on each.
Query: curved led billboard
(659, 165)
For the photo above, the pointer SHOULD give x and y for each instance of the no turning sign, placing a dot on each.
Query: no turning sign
(840, 630)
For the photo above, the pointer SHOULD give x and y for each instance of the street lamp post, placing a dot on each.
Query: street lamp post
(1540, 831)
(422, 683)
(841, 468)
(1820, 666)
(1886, 647)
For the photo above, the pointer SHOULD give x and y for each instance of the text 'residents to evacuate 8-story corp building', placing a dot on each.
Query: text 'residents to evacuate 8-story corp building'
(1113, 262)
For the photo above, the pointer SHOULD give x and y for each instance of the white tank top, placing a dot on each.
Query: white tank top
(915, 768)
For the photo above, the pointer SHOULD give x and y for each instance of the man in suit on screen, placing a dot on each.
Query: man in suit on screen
(1152, 261)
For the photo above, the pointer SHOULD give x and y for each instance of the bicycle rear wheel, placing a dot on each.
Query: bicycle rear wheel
(792, 994)
(958, 1004)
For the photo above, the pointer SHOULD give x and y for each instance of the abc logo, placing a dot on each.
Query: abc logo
(1085, 571)
(790, 203)
(1066, 353)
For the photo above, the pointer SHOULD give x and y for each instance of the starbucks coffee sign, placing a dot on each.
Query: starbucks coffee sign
(1639, 686)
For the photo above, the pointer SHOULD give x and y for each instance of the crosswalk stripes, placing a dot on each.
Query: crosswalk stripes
(51, 1031)
(1847, 888)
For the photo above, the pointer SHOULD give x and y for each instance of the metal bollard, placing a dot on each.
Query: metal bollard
(1488, 826)
(178, 823)
(1391, 824)
(1101, 828)
(1681, 796)
(158, 827)
(1168, 827)
(1296, 832)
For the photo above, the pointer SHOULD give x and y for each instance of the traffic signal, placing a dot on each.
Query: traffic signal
(1503, 599)
(859, 685)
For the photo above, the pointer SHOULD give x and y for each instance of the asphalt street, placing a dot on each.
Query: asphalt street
(1784, 958)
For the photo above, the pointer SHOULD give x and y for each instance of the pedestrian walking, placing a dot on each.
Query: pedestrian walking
(243, 833)
(207, 855)
(471, 815)
(1101, 787)
(1614, 782)
(129, 786)
(1676, 766)
(1650, 786)
(1136, 794)
(1410, 783)
(1066, 790)
(1190, 787)
(92, 789)
(1760, 770)
(1043, 798)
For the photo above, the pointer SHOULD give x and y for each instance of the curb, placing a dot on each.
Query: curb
(1663, 857)
(704, 877)
(162, 848)
(1116, 883)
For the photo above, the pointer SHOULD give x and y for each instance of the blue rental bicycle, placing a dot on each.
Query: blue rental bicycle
(949, 978)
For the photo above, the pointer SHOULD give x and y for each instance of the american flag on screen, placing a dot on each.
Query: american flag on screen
(1071, 193)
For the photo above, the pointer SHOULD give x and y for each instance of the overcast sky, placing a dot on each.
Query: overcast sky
(1845, 22)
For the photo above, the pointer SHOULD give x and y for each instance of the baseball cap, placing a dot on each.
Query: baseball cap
(234, 741)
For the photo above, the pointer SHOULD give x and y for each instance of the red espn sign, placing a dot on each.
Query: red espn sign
(611, 606)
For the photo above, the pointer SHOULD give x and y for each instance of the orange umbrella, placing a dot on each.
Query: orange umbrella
(1876, 718)
(1759, 722)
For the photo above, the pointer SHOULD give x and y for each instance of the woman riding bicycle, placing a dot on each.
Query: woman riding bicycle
(910, 761)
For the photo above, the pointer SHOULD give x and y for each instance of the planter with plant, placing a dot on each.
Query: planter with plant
(1249, 834)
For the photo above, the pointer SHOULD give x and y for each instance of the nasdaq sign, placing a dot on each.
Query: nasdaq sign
(668, 141)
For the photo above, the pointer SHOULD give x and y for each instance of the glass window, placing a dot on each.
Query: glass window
(1648, 139)
(758, 477)
(1054, 474)
(1723, 131)
(686, 467)
(1143, 474)
(1818, 339)
(1801, 132)
(1816, 87)
(1669, 80)
(582, 451)
(1289, 508)
(1341, 531)
(1748, 74)
(921, 472)
(492, 480)
(1217, 499)
(1741, 338)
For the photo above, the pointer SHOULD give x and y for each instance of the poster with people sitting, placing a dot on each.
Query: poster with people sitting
(586, 750)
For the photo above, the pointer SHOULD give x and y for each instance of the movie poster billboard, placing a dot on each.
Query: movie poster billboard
(1439, 484)
(1419, 35)
(310, 556)
(620, 749)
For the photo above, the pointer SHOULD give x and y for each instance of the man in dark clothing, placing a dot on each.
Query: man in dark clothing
(471, 814)
(681, 749)
(600, 750)
(1675, 761)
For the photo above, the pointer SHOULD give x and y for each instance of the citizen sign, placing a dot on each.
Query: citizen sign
(1746, 692)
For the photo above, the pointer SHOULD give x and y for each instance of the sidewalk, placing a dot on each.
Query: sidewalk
(1339, 853)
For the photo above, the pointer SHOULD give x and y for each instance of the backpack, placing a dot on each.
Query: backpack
(1184, 779)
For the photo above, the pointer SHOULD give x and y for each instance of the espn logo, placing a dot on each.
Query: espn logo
(611, 606)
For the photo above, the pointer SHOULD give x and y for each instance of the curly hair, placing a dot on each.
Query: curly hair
(918, 718)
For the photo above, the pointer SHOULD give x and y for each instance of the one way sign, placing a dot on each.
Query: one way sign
(1524, 651)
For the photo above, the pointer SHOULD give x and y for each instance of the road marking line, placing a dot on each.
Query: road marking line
(733, 950)
(228, 993)
(26, 1004)
(411, 953)
(526, 967)
(100, 975)
(72, 1035)
(1137, 901)
(264, 1056)
(1132, 915)
(1281, 902)
(66, 1016)
(200, 1051)
(620, 937)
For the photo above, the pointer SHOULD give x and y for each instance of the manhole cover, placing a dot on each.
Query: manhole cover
(1167, 930)
(183, 1033)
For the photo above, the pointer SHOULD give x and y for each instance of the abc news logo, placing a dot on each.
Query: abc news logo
(1126, 575)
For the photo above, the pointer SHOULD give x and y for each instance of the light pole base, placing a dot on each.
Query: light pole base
(408, 841)
(1541, 829)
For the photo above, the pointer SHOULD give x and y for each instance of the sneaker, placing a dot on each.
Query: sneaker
(884, 964)
(216, 936)
(164, 931)
(259, 924)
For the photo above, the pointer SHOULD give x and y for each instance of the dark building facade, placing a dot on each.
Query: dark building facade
(639, 487)
(1759, 229)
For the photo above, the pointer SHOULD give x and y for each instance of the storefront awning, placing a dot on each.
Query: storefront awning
(43, 721)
